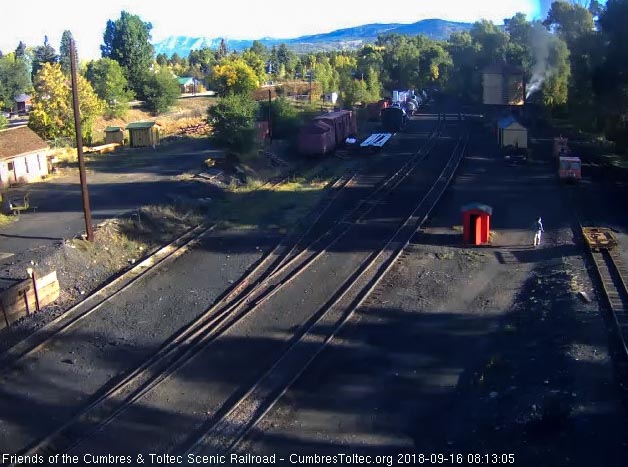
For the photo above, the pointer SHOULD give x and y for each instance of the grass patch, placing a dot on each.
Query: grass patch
(157, 225)
(111, 248)
(6, 220)
(259, 203)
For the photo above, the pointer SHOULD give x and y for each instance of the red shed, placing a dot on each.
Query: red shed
(476, 223)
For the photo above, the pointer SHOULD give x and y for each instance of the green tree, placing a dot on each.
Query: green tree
(107, 78)
(127, 41)
(161, 90)
(161, 59)
(202, 60)
(259, 49)
(3, 122)
(233, 121)
(325, 74)
(611, 80)
(43, 54)
(257, 64)
(464, 76)
(52, 113)
(14, 80)
(64, 52)
(569, 20)
(556, 86)
(284, 117)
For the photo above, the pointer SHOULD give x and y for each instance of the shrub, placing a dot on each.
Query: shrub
(233, 121)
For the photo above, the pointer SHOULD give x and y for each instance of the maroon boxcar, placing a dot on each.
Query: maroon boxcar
(342, 123)
(316, 138)
(326, 132)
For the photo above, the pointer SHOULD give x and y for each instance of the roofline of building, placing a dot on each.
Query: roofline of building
(5, 158)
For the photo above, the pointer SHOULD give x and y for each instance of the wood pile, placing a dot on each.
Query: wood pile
(198, 129)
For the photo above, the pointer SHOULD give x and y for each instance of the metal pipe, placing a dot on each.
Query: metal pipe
(79, 144)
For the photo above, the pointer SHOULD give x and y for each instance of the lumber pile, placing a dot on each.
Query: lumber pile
(198, 129)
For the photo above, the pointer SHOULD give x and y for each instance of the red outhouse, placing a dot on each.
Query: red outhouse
(476, 223)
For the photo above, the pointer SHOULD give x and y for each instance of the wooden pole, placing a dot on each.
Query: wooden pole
(37, 308)
(270, 125)
(4, 312)
(79, 144)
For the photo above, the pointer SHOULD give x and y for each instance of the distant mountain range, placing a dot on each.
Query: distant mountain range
(341, 39)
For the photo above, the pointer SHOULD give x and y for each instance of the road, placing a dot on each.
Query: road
(118, 184)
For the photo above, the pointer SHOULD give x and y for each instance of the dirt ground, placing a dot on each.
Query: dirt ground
(472, 351)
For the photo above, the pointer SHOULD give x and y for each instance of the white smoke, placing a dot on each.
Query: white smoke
(540, 42)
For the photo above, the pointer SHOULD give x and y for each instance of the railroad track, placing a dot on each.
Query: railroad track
(613, 278)
(272, 273)
(189, 239)
(612, 275)
(223, 434)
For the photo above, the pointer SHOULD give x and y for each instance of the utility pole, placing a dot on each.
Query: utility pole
(310, 86)
(79, 144)
(270, 124)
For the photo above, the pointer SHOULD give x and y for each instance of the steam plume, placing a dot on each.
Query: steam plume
(540, 43)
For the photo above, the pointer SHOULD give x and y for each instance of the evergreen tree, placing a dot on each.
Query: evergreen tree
(64, 52)
(222, 50)
(20, 51)
(127, 41)
(43, 54)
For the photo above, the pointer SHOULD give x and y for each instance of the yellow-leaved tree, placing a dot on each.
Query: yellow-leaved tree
(52, 115)
(234, 76)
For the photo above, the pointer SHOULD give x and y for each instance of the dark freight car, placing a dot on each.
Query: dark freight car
(394, 118)
(326, 132)
(316, 138)
(342, 123)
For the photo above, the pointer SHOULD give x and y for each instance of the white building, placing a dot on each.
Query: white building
(23, 156)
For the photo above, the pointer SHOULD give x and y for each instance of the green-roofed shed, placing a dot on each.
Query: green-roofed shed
(187, 84)
(114, 134)
(143, 134)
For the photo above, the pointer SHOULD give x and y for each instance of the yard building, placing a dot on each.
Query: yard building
(114, 134)
(23, 103)
(143, 134)
(188, 84)
(511, 133)
(503, 84)
(23, 156)
(331, 97)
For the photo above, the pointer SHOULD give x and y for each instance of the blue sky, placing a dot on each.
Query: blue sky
(30, 20)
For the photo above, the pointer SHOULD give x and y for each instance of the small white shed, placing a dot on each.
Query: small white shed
(331, 97)
(512, 133)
